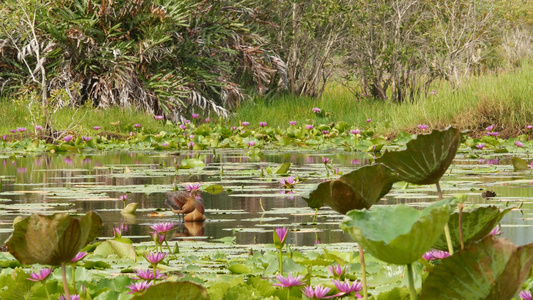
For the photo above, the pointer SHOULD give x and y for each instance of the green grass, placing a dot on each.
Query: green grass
(20, 117)
(504, 99)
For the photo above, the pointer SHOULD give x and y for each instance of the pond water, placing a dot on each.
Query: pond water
(253, 201)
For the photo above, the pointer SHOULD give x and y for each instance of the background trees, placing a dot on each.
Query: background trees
(174, 57)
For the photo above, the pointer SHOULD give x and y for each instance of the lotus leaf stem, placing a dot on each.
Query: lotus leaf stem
(46, 290)
(461, 226)
(412, 290)
(363, 271)
(74, 278)
(65, 284)
(280, 258)
(446, 227)
(168, 246)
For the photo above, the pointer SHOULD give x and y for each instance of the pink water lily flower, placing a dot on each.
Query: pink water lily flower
(245, 123)
(72, 297)
(87, 138)
(316, 110)
(38, 127)
(159, 118)
(41, 275)
(423, 127)
(117, 232)
(439, 254)
(207, 120)
(493, 133)
(148, 274)
(68, 138)
(139, 286)
(490, 128)
(355, 131)
(319, 292)
(251, 143)
(496, 231)
(337, 271)
(292, 123)
(480, 146)
(21, 129)
(347, 288)
(368, 120)
(525, 295)
(263, 124)
(163, 227)
(191, 186)
(326, 160)
(289, 281)
(79, 256)
(138, 125)
(288, 182)
(96, 127)
(195, 116)
(182, 126)
(280, 235)
(309, 126)
(154, 257)
(518, 143)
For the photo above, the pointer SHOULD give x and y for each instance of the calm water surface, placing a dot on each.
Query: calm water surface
(253, 201)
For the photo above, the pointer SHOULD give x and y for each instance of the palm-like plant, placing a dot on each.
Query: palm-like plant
(166, 57)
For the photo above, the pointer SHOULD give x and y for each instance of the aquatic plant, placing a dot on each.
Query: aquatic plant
(398, 234)
(289, 282)
(492, 269)
(53, 240)
(280, 235)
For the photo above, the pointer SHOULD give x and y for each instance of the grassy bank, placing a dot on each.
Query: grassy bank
(504, 99)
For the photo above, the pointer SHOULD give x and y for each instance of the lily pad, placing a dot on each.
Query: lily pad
(476, 224)
(174, 290)
(519, 164)
(492, 269)
(52, 240)
(397, 234)
(112, 247)
(426, 158)
(356, 190)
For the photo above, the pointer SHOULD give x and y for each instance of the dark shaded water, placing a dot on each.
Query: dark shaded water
(256, 204)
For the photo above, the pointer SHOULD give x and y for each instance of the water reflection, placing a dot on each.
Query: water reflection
(253, 202)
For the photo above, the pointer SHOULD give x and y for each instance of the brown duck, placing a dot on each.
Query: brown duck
(185, 203)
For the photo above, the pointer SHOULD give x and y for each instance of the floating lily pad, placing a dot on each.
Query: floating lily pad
(426, 158)
(397, 234)
(112, 247)
(519, 164)
(492, 269)
(52, 240)
(174, 290)
(476, 224)
(356, 190)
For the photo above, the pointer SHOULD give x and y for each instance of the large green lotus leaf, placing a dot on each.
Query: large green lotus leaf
(174, 290)
(426, 158)
(397, 234)
(356, 190)
(492, 269)
(476, 223)
(52, 240)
